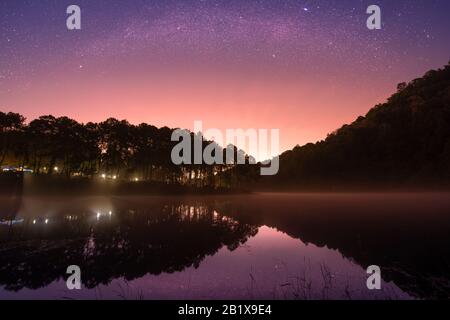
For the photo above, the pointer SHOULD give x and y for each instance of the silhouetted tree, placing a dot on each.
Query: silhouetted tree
(113, 149)
(401, 142)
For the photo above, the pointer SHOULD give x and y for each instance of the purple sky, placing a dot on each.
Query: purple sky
(305, 67)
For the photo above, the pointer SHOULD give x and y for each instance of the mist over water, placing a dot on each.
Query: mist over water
(259, 246)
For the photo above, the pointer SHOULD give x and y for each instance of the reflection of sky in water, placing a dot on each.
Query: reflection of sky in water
(286, 246)
(270, 265)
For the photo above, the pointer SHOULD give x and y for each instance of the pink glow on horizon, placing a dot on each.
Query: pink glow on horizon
(303, 110)
(229, 64)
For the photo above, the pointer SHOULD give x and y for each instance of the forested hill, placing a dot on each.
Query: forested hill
(405, 141)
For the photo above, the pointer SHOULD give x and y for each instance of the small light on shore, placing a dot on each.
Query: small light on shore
(98, 215)
(136, 179)
(114, 177)
(46, 221)
(103, 176)
(55, 168)
(34, 221)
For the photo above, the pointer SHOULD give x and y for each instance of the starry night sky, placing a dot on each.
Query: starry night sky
(305, 67)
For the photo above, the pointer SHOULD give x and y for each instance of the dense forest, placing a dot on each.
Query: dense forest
(403, 142)
(110, 150)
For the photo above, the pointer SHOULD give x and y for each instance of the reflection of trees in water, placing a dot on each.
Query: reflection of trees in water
(11, 186)
(411, 249)
(130, 244)
(168, 236)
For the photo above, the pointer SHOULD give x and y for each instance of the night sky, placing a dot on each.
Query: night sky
(305, 67)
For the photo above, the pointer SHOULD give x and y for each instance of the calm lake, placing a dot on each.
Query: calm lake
(258, 246)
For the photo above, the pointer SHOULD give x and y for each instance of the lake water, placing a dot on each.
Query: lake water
(258, 246)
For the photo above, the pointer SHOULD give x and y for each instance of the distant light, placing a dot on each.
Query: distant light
(103, 176)
(305, 9)
(46, 221)
(98, 215)
(34, 221)
(136, 179)
(110, 213)
(55, 168)
(114, 177)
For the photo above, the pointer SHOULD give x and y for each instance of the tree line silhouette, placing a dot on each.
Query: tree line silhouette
(166, 235)
(112, 149)
(403, 142)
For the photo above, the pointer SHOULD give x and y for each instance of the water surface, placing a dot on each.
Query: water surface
(260, 246)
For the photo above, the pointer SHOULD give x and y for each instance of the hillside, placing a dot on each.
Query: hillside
(403, 142)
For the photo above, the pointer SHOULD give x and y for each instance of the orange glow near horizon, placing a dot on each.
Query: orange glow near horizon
(302, 110)
(229, 64)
